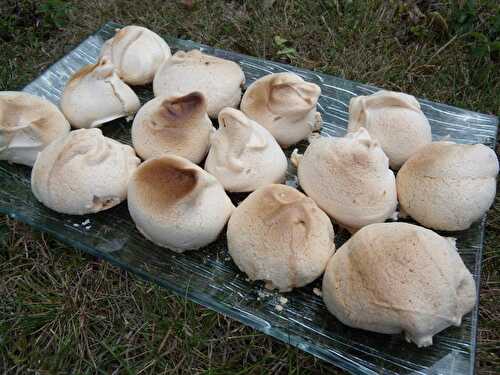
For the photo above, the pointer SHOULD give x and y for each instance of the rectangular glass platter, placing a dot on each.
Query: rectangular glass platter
(210, 278)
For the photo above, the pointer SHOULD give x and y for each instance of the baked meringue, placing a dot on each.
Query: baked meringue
(28, 124)
(243, 155)
(176, 204)
(448, 186)
(137, 53)
(174, 125)
(395, 120)
(280, 236)
(95, 95)
(349, 178)
(285, 105)
(219, 80)
(398, 277)
(83, 173)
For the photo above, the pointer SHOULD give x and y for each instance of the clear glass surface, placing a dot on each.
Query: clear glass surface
(210, 278)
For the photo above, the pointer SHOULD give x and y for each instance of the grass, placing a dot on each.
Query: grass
(63, 311)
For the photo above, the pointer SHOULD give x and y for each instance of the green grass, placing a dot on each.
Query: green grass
(63, 311)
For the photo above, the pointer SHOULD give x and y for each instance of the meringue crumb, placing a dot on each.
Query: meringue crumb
(295, 158)
(317, 292)
(86, 222)
(278, 308)
(283, 300)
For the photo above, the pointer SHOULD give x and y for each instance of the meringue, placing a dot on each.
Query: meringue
(395, 120)
(174, 125)
(83, 172)
(349, 178)
(137, 53)
(219, 80)
(243, 155)
(28, 124)
(285, 105)
(398, 277)
(176, 204)
(279, 235)
(448, 186)
(95, 95)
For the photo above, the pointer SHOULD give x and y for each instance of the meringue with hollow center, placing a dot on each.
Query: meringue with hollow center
(95, 95)
(176, 204)
(398, 277)
(285, 105)
(82, 173)
(395, 120)
(173, 125)
(349, 178)
(280, 236)
(219, 80)
(448, 186)
(137, 53)
(243, 155)
(28, 124)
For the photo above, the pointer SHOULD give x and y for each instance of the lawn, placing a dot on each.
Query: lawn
(63, 311)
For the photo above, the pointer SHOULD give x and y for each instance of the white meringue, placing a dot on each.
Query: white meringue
(95, 95)
(219, 80)
(28, 124)
(285, 105)
(448, 186)
(279, 235)
(395, 120)
(349, 178)
(176, 204)
(82, 173)
(398, 277)
(174, 125)
(243, 155)
(137, 53)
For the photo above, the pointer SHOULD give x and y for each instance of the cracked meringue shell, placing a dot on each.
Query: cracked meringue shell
(395, 120)
(349, 178)
(176, 204)
(137, 53)
(219, 80)
(448, 186)
(398, 277)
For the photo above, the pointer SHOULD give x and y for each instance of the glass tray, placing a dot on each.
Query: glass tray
(210, 278)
